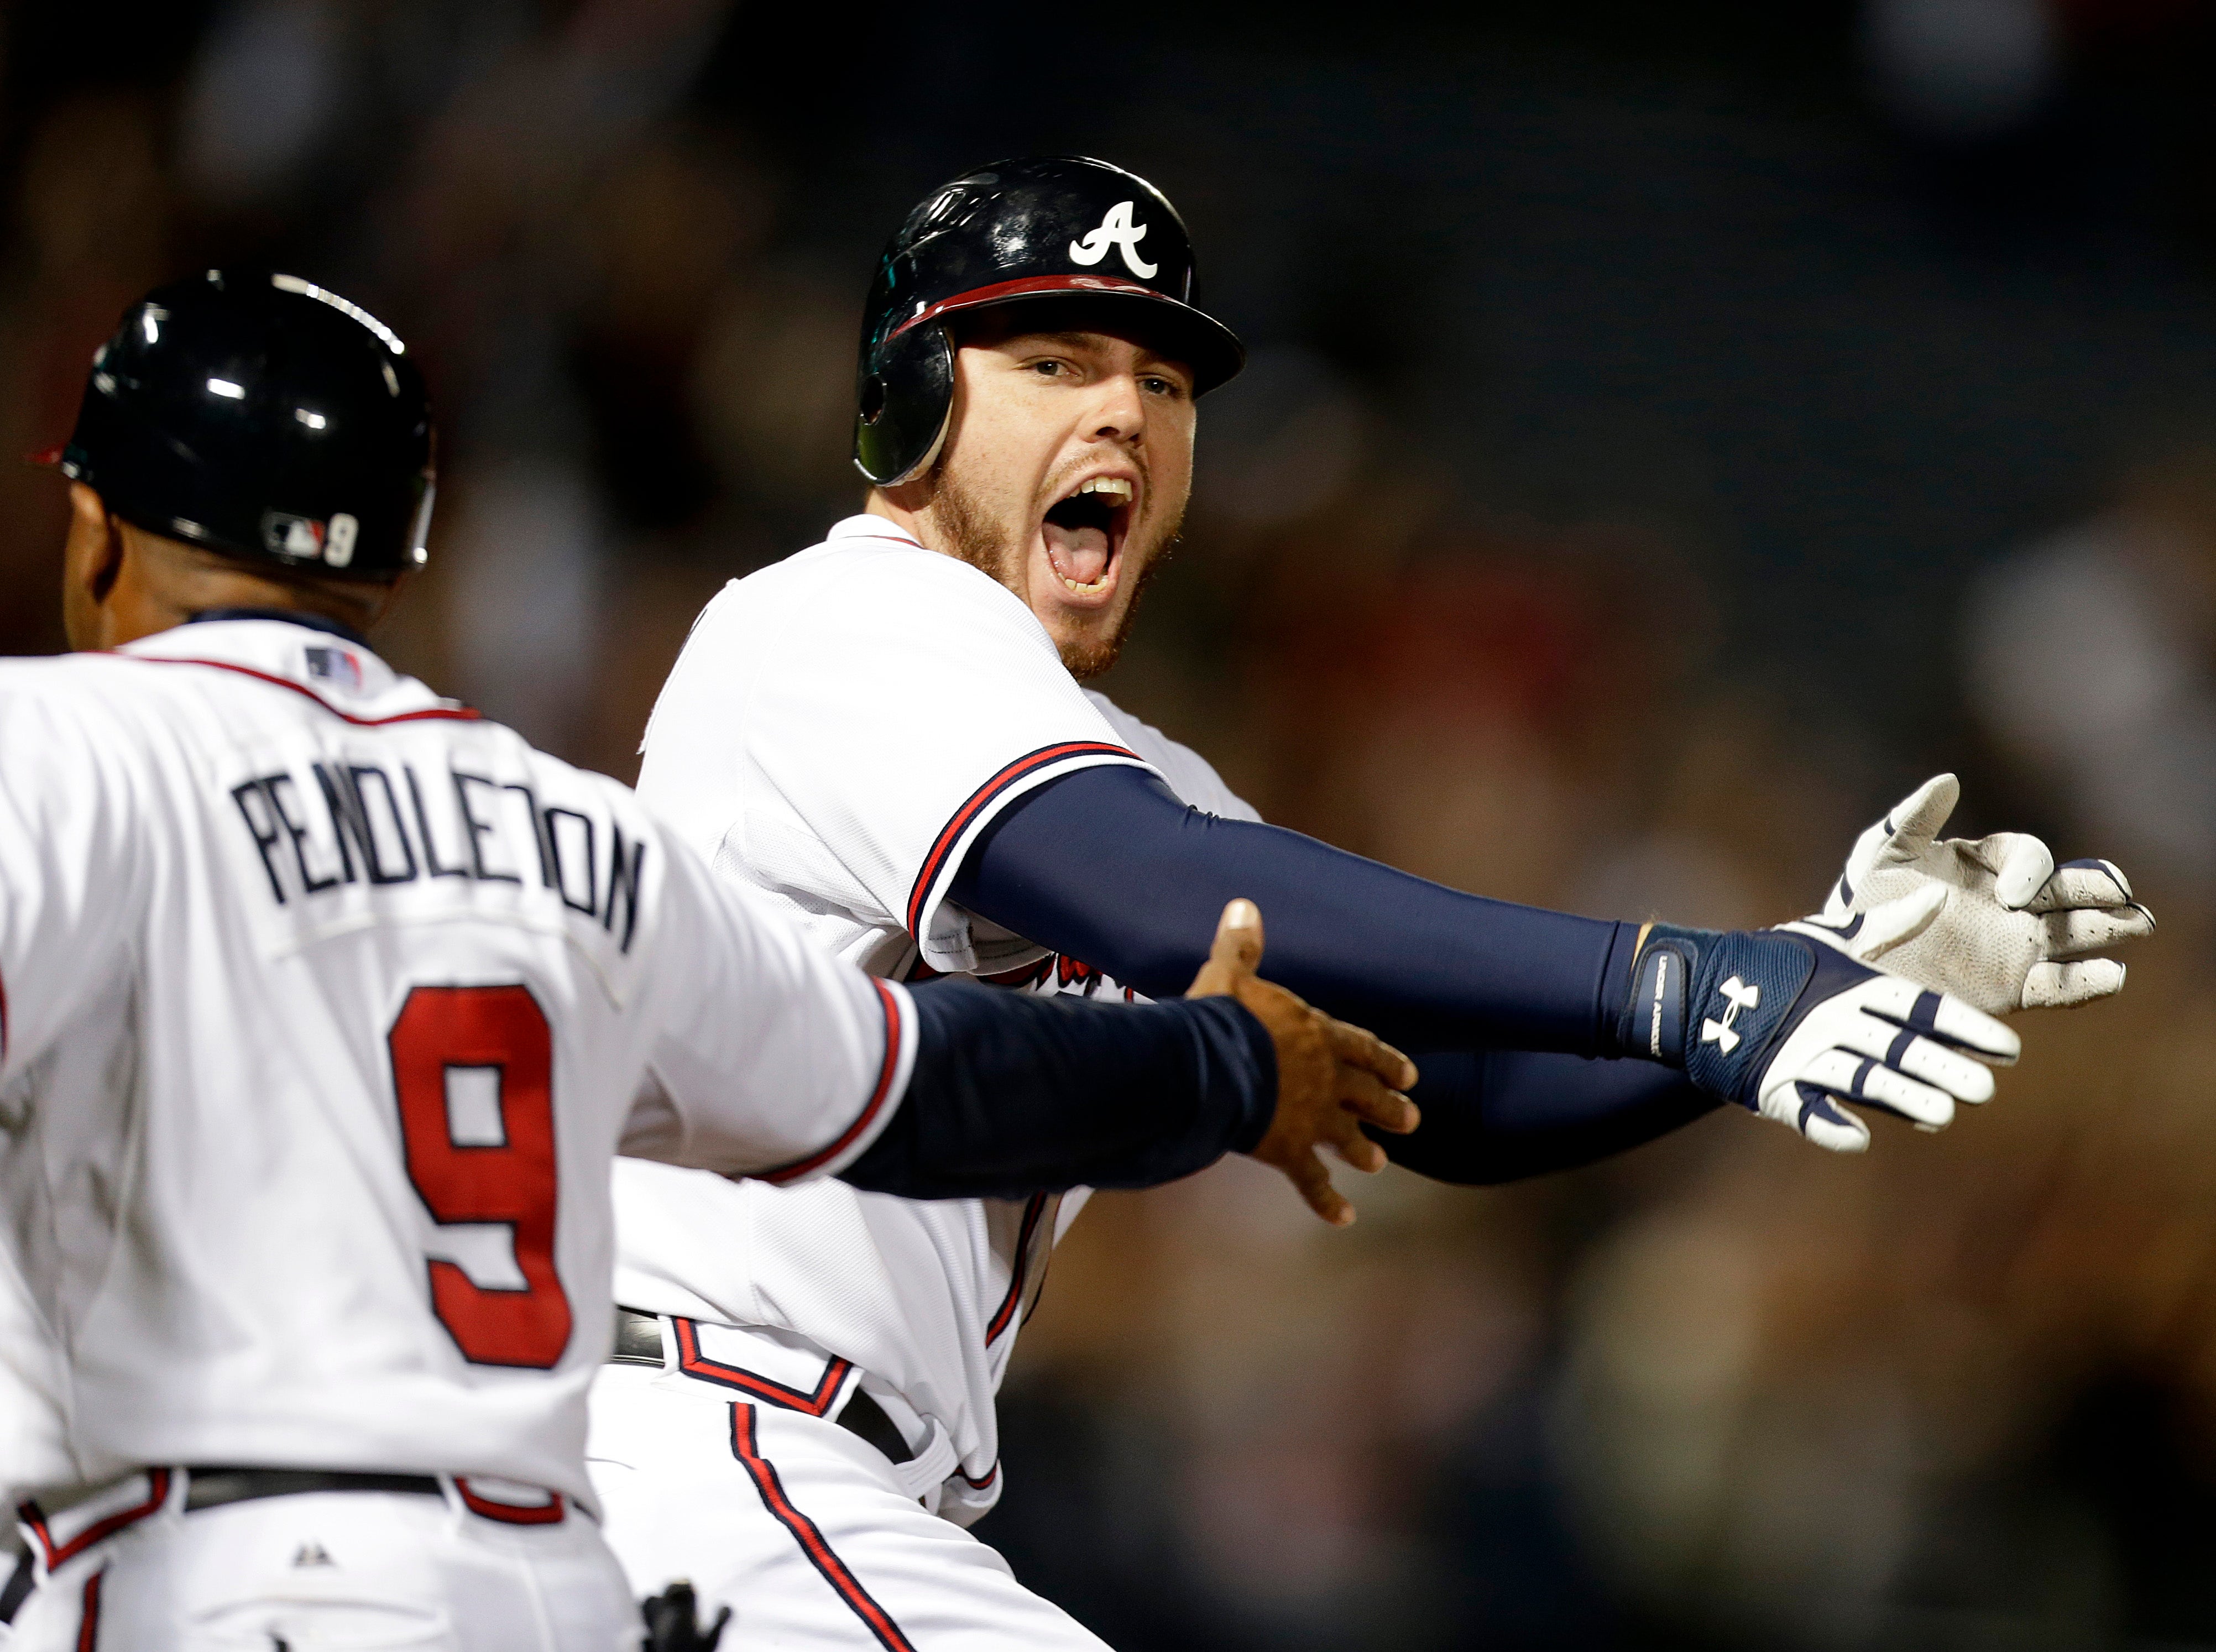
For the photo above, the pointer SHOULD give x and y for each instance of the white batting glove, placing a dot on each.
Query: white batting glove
(1795, 1030)
(1994, 921)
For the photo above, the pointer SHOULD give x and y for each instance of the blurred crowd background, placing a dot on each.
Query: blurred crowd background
(1672, 432)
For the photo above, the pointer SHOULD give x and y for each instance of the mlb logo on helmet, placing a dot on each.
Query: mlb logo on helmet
(302, 539)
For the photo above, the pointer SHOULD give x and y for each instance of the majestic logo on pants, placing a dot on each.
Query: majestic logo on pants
(1117, 230)
(1721, 1034)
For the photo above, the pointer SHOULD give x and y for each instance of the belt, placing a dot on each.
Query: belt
(212, 1488)
(638, 1342)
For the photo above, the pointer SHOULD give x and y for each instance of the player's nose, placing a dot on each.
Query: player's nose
(1119, 414)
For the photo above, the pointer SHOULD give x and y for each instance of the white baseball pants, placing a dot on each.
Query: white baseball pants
(366, 1570)
(799, 1527)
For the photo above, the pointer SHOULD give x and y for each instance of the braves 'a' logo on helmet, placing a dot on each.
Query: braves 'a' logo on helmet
(1116, 231)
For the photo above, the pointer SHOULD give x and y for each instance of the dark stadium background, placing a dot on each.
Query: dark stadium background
(1672, 432)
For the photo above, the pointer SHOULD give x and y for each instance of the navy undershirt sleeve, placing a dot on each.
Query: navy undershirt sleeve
(1511, 1002)
(1012, 1093)
(1499, 1115)
(1108, 865)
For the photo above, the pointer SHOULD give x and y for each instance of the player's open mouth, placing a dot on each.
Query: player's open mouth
(1085, 531)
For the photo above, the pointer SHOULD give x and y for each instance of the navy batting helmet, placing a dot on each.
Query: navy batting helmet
(1018, 231)
(264, 418)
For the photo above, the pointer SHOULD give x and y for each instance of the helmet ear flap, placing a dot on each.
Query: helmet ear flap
(906, 397)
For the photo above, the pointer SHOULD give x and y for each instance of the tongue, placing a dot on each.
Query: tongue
(1078, 553)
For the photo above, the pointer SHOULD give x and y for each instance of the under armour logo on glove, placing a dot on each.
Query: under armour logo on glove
(1806, 1029)
(1720, 1034)
(1116, 231)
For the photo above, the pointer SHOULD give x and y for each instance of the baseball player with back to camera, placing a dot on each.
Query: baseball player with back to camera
(326, 1004)
(887, 736)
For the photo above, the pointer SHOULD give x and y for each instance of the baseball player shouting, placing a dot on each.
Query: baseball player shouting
(885, 736)
(325, 1005)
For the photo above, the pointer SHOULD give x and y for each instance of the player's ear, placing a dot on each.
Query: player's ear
(92, 562)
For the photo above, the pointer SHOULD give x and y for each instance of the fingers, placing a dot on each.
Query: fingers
(2079, 930)
(1939, 1015)
(1886, 925)
(1306, 1173)
(1967, 1027)
(1367, 1099)
(1906, 1048)
(1238, 937)
(1938, 1066)
(1866, 1079)
(1918, 818)
(2063, 986)
(1819, 1117)
(2084, 883)
(1236, 952)
(1363, 1154)
(2021, 865)
(1359, 1047)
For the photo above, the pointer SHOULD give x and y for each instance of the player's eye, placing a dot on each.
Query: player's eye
(1048, 368)
(1154, 385)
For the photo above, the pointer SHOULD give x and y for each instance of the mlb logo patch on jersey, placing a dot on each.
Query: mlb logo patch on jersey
(336, 665)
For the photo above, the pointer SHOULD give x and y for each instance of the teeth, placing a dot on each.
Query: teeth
(1115, 485)
(1093, 589)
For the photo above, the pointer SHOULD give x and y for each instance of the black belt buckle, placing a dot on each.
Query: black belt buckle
(638, 1338)
(214, 1486)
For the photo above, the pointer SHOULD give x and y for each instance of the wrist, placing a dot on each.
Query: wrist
(1257, 1105)
(1712, 1003)
(1651, 1022)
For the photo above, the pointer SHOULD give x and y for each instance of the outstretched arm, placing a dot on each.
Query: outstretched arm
(1492, 1116)
(1011, 1093)
(1108, 865)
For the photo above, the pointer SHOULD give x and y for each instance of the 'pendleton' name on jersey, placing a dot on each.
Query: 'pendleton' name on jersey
(496, 831)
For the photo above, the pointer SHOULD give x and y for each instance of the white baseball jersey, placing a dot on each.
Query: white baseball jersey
(838, 729)
(327, 1005)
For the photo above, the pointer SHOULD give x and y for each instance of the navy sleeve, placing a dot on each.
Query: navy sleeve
(1012, 1093)
(1499, 1115)
(1106, 865)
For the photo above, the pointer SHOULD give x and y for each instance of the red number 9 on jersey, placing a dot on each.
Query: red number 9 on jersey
(496, 1168)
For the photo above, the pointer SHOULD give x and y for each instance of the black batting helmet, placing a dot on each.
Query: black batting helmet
(264, 418)
(1017, 232)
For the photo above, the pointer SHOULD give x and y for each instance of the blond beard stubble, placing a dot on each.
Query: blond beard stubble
(972, 541)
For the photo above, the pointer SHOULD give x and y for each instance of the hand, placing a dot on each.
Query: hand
(1332, 1078)
(1793, 1029)
(1995, 922)
(673, 1623)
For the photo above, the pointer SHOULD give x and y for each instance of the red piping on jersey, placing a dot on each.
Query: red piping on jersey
(809, 1536)
(4, 1017)
(816, 1403)
(935, 862)
(1024, 288)
(87, 1626)
(991, 1474)
(35, 1518)
(433, 713)
(545, 1514)
(878, 1096)
(1006, 1311)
